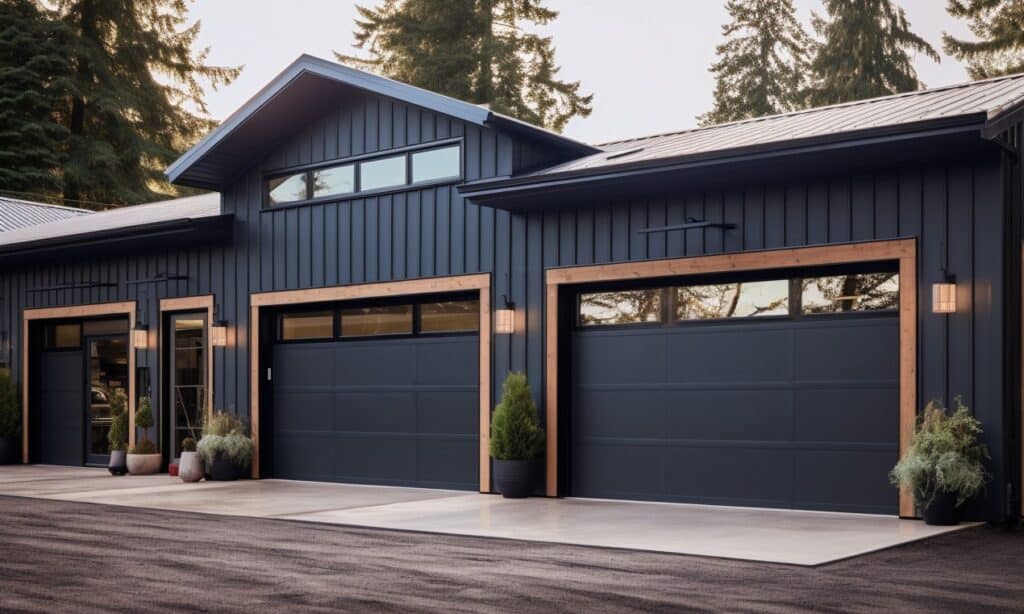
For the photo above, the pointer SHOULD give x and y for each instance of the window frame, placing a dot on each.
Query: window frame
(357, 160)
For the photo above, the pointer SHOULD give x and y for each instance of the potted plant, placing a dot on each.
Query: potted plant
(10, 422)
(144, 458)
(944, 466)
(517, 440)
(225, 447)
(190, 465)
(117, 436)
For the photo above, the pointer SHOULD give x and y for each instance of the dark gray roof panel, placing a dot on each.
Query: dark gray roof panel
(191, 207)
(17, 213)
(307, 87)
(987, 99)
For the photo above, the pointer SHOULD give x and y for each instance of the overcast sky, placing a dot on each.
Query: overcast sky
(645, 61)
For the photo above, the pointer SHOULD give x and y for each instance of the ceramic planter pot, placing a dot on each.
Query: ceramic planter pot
(942, 510)
(514, 479)
(144, 464)
(118, 463)
(10, 450)
(190, 467)
(223, 469)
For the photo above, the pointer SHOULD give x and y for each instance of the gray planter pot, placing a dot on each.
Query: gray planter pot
(144, 464)
(10, 450)
(118, 462)
(190, 467)
(515, 479)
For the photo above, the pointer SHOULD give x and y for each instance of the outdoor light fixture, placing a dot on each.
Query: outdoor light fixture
(944, 296)
(140, 337)
(219, 334)
(505, 319)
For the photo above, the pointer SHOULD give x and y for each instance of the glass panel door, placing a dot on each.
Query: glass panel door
(188, 374)
(108, 373)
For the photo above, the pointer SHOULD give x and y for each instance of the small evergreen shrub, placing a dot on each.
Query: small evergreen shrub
(946, 455)
(144, 420)
(188, 444)
(117, 436)
(224, 434)
(515, 431)
(10, 414)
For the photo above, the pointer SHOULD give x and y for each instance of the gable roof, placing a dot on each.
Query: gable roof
(977, 104)
(305, 88)
(18, 213)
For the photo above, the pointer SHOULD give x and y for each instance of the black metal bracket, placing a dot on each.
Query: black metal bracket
(691, 224)
(157, 279)
(82, 286)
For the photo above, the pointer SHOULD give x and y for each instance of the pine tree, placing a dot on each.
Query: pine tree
(134, 75)
(33, 69)
(762, 66)
(866, 52)
(999, 28)
(473, 50)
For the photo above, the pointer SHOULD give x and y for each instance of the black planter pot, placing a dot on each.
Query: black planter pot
(514, 479)
(118, 463)
(10, 450)
(223, 470)
(942, 510)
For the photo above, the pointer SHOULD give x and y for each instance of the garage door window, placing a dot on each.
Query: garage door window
(850, 293)
(303, 326)
(733, 300)
(383, 320)
(624, 307)
(450, 317)
(62, 336)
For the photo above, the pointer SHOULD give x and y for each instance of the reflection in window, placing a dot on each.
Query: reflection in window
(383, 173)
(286, 189)
(624, 307)
(384, 320)
(432, 164)
(62, 336)
(846, 293)
(450, 316)
(298, 326)
(733, 300)
(334, 180)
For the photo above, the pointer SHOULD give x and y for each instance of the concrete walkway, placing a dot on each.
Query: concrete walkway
(777, 536)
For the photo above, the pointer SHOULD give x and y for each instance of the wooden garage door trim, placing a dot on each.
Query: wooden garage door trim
(481, 282)
(902, 250)
(124, 308)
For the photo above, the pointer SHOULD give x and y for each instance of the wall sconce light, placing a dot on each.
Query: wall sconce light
(219, 334)
(140, 337)
(505, 319)
(944, 296)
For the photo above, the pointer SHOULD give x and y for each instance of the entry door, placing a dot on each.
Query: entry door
(188, 374)
(107, 374)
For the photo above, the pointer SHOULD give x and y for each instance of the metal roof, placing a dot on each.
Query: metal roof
(17, 213)
(175, 210)
(985, 101)
(305, 88)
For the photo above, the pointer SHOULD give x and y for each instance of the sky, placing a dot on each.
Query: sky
(645, 61)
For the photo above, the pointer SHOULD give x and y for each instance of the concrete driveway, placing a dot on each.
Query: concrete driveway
(777, 536)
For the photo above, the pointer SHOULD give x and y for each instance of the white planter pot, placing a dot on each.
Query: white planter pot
(144, 464)
(190, 467)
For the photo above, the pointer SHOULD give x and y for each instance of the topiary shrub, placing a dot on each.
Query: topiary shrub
(515, 431)
(144, 420)
(117, 436)
(188, 444)
(10, 414)
(946, 455)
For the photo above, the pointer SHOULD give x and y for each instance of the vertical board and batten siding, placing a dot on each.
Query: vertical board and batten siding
(955, 211)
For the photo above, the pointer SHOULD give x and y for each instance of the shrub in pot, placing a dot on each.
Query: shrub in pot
(225, 447)
(117, 436)
(10, 422)
(190, 465)
(517, 440)
(144, 458)
(944, 466)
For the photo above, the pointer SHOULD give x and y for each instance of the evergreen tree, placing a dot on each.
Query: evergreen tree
(761, 67)
(33, 69)
(999, 27)
(473, 50)
(133, 75)
(865, 52)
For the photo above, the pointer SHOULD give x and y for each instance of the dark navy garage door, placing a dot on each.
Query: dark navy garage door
(751, 402)
(378, 410)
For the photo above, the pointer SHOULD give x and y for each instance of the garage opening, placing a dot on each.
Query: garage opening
(766, 390)
(376, 392)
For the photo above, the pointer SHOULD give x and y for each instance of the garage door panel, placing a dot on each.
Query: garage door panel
(718, 354)
(617, 471)
(61, 415)
(379, 411)
(729, 414)
(376, 459)
(604, 356)
(847, 414)
(846, 480)
(442, 462)
(450, 361)
(310, 458)
(303, 410)
(865, 349)
(730, 474)
(303, 364)
(449, 412)
(369, 363)
(620, 413)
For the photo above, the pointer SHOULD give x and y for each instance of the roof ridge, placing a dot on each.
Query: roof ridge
(852, 103)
